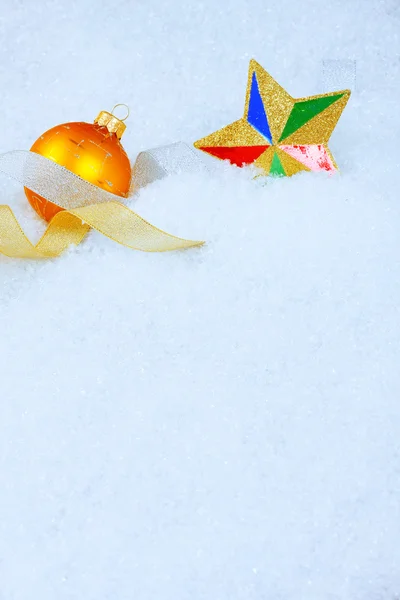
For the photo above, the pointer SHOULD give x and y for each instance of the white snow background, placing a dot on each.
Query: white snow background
(221, 423)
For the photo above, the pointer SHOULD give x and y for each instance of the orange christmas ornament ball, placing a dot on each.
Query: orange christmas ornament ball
(91, 151)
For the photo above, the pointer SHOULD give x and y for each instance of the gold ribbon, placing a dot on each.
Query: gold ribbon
(85, 206)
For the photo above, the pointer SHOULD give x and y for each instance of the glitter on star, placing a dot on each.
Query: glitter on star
(278, 134)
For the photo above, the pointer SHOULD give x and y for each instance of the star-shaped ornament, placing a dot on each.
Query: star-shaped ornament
(279, 134)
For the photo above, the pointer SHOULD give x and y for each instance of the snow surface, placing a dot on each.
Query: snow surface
(222, 423)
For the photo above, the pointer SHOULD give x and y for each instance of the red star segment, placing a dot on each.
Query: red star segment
(237, 155)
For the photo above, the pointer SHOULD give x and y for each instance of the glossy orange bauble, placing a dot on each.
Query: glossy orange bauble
(88, 150)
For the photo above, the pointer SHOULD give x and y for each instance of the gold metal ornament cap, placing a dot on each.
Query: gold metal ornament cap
(109, 120)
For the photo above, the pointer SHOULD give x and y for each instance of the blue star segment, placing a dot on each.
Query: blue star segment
(256, 115)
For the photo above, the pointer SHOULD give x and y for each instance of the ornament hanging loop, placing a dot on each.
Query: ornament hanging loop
(127, 109)
(114, 124)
